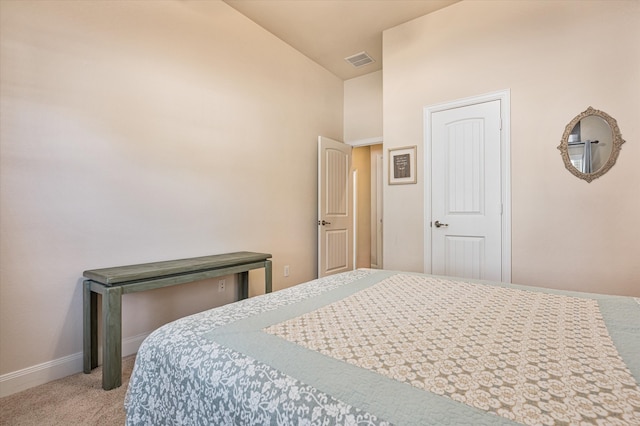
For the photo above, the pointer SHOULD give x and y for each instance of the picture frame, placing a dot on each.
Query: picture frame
(402, 165)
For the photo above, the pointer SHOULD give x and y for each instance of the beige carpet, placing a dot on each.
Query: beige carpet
(73, 400)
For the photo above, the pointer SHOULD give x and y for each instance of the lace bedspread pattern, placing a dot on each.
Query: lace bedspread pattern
(532, 357)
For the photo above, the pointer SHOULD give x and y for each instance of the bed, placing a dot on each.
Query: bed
(371, 347)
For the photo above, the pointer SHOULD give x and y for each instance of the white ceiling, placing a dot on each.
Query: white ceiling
(327, 31)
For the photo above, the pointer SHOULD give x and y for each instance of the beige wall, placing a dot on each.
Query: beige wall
(141, 131)
(363, 108)
(363, 125)
(557, 58)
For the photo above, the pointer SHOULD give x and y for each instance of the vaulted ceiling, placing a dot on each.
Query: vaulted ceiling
(328, 31)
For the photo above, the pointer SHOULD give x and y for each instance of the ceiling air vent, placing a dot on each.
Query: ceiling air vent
(359, 59)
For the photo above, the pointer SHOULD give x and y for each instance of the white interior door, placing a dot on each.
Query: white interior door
(466, 201)
(335, 202)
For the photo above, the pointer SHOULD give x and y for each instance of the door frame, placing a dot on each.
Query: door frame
(379, 209)
(504, 96)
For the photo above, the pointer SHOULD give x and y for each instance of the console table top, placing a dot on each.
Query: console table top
(123, 274)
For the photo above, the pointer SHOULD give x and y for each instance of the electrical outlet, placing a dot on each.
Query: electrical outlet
(286, 270)
(221, 285)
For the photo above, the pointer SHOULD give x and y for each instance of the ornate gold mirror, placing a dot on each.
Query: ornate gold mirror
(590, 144)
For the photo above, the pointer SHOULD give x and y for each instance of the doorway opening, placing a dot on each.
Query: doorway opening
(368, 221)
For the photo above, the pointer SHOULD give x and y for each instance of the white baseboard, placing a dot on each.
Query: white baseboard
(29, 377)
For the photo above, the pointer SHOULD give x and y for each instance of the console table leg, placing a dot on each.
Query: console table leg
(243, 285)
(89, 327)
(112, 338)
(267, 276)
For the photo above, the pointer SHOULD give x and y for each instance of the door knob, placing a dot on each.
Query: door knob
(324, 222)
(438, 224)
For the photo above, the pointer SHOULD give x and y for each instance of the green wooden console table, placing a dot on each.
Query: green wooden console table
(112, 283)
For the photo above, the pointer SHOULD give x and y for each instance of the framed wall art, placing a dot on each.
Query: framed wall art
(402, 165)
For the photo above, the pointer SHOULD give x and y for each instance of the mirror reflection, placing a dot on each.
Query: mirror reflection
(590, 144)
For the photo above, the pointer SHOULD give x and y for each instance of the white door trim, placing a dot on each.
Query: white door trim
(365, 142)
(504, 96)
(354, 179)
(379, 219)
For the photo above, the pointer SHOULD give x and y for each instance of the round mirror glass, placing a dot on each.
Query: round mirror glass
(590, 144)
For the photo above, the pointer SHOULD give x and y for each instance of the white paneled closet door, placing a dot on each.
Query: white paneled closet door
(466, 209)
